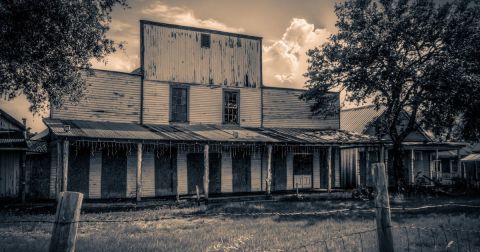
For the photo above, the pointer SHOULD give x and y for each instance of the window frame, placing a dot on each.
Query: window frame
(206, 35)
(187, 89)
(236, 91)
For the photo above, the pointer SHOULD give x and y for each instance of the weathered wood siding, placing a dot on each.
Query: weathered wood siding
(132, 174)
(53, 170)
(336, 167)
(109, 96)
(283, 109)
(316, 169)
(264, 170)
(148, 174)
(204, 104)
(156, 102)
(95, 181)
(175, 54)
(227, 185)
(256, 173)
(182, 181)
(290, 171)
(9, 173)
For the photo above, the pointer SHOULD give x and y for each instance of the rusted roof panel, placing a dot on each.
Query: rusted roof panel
(100, 130)
(315, 136)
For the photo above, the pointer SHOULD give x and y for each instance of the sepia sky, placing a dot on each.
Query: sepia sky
(288, 27)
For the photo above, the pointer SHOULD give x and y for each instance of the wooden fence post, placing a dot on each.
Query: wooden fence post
(382, 205)
(64, 232)
(139, 172)
(269, 170)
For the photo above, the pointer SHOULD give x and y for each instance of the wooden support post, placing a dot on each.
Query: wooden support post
(437, 165)
(64, 232)
(206, 164)
(459, 162)
(412, 166)
(58, 170)
(329, 169)
(65, 166)
(269, 170)
(382, 205)
(139, 171)
(367, 158)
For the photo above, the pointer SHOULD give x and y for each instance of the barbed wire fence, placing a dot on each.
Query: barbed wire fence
(406, 237)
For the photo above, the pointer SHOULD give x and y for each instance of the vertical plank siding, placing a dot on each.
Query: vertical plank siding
(256, 173)
(227, 185)
(148, 174)
(175, 54)
(316, 169)
(53, 170)
(289, 171)
(95, 174)
(9, 173)
(336, 166)
(182, 182)
(264, 157)
(109, 96)
(283, 109)
(132, 174)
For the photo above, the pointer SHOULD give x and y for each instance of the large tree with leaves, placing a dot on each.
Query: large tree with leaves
(46, 45)
(419, 57)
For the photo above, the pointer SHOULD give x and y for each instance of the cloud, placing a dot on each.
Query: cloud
(184, 16)
(285, 60)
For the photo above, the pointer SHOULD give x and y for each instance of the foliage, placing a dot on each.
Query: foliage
(44, 45)
(408, 55)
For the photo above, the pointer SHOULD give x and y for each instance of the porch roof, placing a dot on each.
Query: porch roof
(103, 131)
(472, 157)
(12, 140)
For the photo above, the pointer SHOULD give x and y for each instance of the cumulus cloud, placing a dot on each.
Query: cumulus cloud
(184, 16)
(285, 60)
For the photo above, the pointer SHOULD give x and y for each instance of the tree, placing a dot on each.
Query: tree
(409, 56)
(46, 45)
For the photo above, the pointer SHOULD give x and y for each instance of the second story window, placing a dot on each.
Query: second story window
(179, 104)
(231, 102)
(205, 40)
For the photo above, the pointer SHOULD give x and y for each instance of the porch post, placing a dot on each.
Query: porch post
(412, 165)
(65, 165)
(367, 161)
(459, 162)
(357, 166)
(437, 164)
(139, 171)
(269, 170)
(206, 165)
(329, 168)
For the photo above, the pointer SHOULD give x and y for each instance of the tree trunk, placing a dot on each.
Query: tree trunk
(398, 171)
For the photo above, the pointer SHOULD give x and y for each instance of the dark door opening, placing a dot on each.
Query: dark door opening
(78, 170)
(166, 173)
(241, 165)
(114, 173)
(279, 171)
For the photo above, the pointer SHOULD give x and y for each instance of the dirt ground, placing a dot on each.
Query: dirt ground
(441, 224)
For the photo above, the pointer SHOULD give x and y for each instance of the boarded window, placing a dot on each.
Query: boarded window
(179, 104)
(205, 40)
(231, 101)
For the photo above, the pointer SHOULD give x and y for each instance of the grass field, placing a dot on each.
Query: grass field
(266, 226)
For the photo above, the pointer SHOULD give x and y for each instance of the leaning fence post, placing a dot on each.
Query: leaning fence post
(382, 205)
(64, 232)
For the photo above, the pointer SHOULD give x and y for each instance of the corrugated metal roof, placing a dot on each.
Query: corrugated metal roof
(207, 132)
(12, 139)
(357, 119)
(101, 130)
(201, 132)
(315, 136)
(472, 157)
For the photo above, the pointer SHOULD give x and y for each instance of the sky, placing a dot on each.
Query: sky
(288, 27)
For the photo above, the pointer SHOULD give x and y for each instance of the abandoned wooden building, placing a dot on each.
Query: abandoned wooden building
(420, 158)
(195, 115)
